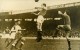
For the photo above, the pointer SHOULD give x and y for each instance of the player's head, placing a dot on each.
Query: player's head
(59, 12)
(17, 22)
(43, 5)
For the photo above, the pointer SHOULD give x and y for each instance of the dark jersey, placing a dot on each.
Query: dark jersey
(43, 12)
(67, 20)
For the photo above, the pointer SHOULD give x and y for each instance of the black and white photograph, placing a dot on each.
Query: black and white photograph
(39, 24)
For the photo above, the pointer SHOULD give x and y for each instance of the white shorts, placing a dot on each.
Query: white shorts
(40, 19)
(12, 36)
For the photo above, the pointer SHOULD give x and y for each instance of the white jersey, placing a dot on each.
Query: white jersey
(14, 30)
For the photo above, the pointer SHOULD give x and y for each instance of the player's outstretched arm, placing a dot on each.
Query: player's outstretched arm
(34, 13)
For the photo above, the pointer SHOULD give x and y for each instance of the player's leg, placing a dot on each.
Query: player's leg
(12, 38)
(10, 41)
(21, 44)
(67, 30)
(14, 46)
(39, 36)
(38, 26)
(40, 21)
(16, 41)
(57, 31)
(13, 35)
(39, 29)
(39, 32)
(68, 40)
(7, 41)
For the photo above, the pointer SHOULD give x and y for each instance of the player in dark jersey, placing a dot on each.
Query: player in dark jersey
(66, 27)
(40, 19)
(67, 23)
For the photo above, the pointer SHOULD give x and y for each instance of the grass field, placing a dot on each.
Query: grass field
(48, 43)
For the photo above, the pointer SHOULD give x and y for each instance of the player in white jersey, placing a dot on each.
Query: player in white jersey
(40, 20)
(17, 35)
(14, 30)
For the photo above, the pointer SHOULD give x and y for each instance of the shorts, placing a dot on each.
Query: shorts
(65, 27)
(40, 19)
(12, 36)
